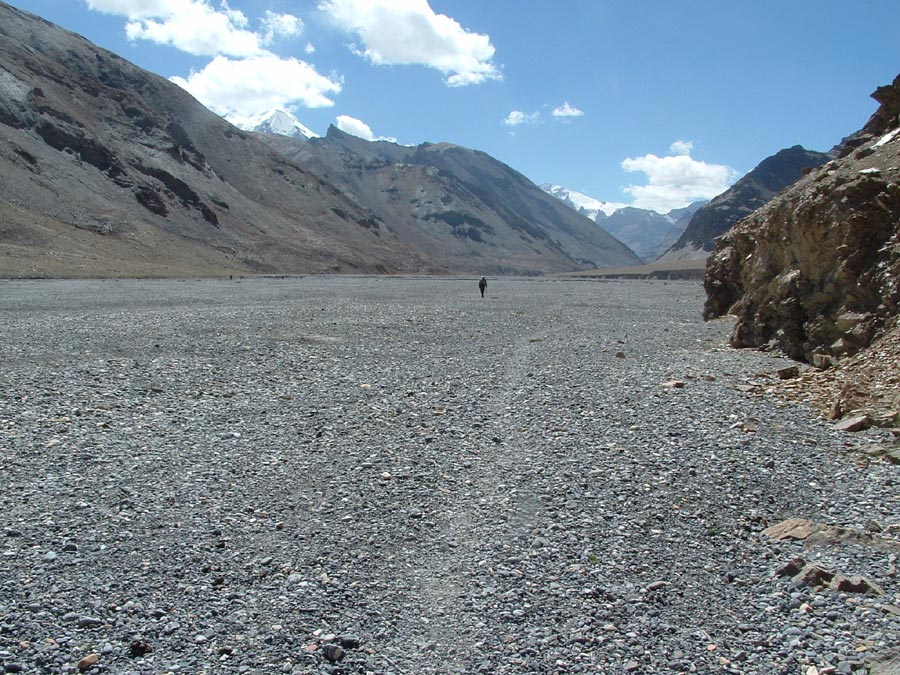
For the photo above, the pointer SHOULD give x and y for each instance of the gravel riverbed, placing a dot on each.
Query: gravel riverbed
(395, 476)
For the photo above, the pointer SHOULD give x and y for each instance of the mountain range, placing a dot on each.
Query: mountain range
(644, 231)
(109, 170)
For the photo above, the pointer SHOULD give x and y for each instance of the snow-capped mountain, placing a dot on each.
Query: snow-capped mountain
(588, 206)
(275, 121)
(645, 232)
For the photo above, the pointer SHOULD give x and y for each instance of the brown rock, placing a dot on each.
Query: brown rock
(835, 412)
(813, 575)
(88, 662)
(792, 568)
(856, 584)
(674, 384)
(855, 423)
(792, 528)
(788, 373)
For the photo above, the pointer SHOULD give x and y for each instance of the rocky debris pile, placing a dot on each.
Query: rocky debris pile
(390, 476)
(816, 272)
(865, 385)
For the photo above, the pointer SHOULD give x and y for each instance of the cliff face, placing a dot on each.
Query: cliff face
(816, 271)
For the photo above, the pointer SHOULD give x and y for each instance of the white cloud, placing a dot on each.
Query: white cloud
(566, 110)
(517, 117)
(676, 180)
(310, 48)
(243, 77)
(682, 147)
(247, 86)
(408, 32)
(280, 26)
(197, 27)
(355, 127)
(136, 9)
(360, 129)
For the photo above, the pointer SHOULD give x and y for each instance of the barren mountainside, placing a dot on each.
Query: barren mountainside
(458, 204)
(108, 170)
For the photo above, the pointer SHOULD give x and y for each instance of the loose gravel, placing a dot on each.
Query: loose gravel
(395, 476)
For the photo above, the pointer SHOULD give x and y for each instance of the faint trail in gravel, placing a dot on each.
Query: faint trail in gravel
(240, 474)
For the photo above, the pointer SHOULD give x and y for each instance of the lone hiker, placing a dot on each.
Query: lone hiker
(482, 285)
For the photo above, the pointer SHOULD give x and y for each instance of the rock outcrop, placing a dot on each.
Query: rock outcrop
(816, 271)
(752, 191)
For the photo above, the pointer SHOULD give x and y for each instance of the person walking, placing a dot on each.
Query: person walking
(482, 285)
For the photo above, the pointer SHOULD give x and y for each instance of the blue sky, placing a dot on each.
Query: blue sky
(647, 102)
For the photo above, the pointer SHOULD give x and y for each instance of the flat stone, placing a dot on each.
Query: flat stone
(792, 528)
(788, 373)
(855, 423)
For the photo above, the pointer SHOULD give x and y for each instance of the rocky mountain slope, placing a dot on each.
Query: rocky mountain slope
(769, 177)
(108, 170)
(460, 205)
(816, 272)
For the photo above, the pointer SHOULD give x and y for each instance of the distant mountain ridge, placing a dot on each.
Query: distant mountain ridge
(646, 232)
(109, 170)
(442, 197)
(752, 191)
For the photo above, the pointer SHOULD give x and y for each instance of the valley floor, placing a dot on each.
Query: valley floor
(393, 475)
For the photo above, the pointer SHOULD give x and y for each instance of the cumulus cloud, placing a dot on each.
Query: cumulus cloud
(358, 128)
(136, 9)
(280, 26)
(176, 23)
(409, 32)
(566, 110)
(517, 117)
(246, 86)
(243, 77)
(682, 147)
(355, 127)
(676, 180)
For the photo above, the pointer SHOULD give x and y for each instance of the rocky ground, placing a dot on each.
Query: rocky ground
(385, 475)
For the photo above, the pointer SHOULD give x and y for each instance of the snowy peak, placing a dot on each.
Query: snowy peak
(582, 203)
(276, 122)
(645, 232)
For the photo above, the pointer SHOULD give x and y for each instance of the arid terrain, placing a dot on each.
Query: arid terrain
(392, 475)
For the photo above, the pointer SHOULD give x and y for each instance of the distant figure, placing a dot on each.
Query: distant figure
(482, 285)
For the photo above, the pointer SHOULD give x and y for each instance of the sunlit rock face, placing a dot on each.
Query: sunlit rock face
(815, 271)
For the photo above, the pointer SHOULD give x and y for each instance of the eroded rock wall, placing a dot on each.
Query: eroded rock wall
(815, 271)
